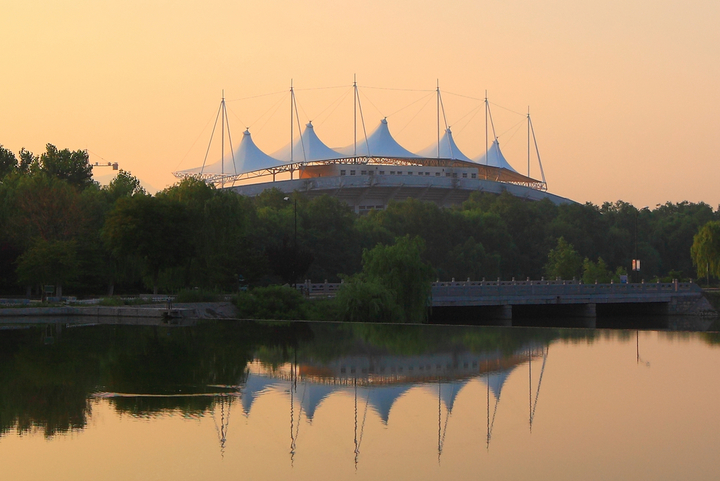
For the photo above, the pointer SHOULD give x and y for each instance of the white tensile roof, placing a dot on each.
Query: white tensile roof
(307, 148)
(381, 144)
(248, 157)
(495, 381)
(495, 158)
(448, 149)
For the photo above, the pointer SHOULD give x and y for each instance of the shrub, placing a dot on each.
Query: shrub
(197, 295)
(272, 302)
(367, 301)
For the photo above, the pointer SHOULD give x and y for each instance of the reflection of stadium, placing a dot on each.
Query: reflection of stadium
(378, 382)
(375, 168)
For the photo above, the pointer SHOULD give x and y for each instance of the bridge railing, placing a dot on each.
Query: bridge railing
(525, 288)
(555, 288)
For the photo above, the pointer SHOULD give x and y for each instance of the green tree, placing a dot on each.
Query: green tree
(123, 185)
(70, 166)
(401, 270)
(596, 271)
(150, 230)
(705, 250)
(28, 161)
(8, 162)
(44, 207)
(48, 262)
(363, 300)
(563, 261)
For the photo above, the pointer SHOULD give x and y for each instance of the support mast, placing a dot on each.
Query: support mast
(438, 117)
(222, 142)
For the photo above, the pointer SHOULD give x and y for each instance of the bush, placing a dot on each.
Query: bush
(197, 295)
(272, 302)
(367, 301)
(111, 301)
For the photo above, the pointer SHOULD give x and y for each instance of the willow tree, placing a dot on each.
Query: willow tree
(705, 251)
(394, 285)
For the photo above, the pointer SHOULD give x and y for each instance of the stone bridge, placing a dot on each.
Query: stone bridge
(507, 300)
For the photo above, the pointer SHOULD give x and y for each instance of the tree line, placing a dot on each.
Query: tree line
(59, 227)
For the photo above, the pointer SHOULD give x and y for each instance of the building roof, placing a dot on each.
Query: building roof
(380, 143)
(448, 149)
(495, 158)
(307, 148)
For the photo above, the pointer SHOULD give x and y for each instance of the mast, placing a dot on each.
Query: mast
(528, 140)
(355, 99)
(537, 151)
(222, 142)
(438, 117)
(486, 134)
(292, 149)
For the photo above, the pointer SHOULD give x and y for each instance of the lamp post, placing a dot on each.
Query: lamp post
(636, 261)
(294, 265)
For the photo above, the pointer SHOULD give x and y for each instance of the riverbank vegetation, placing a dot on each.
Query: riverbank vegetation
(58, 227)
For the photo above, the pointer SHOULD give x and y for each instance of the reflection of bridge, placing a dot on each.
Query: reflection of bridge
(507, 300)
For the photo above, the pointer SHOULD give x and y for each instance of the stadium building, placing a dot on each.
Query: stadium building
(374, 169)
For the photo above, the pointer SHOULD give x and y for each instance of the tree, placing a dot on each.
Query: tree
(28, 160)
(363, 300)
(596, 271)
(148, 229)
(124, 185)
(48, 262)
(563, 261)
(44, 207)
(401, 270)
(72, 167)
(8, 162)
(705, 251)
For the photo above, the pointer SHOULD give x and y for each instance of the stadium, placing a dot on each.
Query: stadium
(374, 169)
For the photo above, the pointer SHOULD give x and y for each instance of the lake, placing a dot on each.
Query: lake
(309, 401)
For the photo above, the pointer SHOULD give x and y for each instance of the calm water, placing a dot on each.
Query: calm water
(259, 401)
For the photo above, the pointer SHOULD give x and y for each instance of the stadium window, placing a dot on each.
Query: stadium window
(352, 172)
(363, 172)
(437, 174)
(427, 173)
(474, 176)
(447, 174)
(342, 172)
(410, 173)
(392, 172)
(464, 175)
(371, 172)
(382, 172)
(399, 172)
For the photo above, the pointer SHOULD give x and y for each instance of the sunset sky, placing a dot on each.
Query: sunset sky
(623, 94)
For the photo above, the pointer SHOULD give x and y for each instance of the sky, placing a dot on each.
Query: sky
(623, 94)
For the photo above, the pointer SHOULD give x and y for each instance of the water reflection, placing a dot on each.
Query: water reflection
(293, 396)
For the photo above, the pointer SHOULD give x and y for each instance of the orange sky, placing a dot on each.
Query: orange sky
(623, 93)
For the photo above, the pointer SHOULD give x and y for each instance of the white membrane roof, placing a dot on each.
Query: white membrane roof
(380, 143)
(247, 158)
(307, 148)
(495, 158)
(448, 149)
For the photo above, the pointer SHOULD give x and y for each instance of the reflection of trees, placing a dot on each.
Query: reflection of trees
(47, 386)
(42, 386)
(47, 374)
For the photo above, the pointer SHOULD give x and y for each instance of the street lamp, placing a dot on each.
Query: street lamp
(636, 261)
(294, 266)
